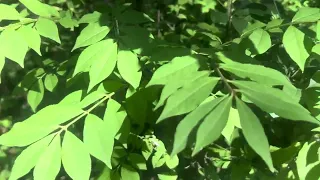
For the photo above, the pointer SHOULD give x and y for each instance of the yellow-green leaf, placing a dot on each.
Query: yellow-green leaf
(75, 157)
(49, 164)
(47, 28)
(91, 34)
(8, 12)
(129, 68)
(13, 46)
(293, 41)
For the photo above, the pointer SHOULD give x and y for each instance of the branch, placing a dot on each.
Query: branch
(225, 81)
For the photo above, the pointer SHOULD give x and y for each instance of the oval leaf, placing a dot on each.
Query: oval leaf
(75, 157)
(49, 163)
(32, 37)
(8, 13)
(35, 94)
(293, 41)
(13, 46)
(254, 133)
(91, 34)
(47, 28)
(274, 101)
(171, 70)
(260, 40)
(29, 158)
(51, 81)
(188, 98)
(97, 139)
(188, 123)
(212, 124)
(129, 68)
(104, 66)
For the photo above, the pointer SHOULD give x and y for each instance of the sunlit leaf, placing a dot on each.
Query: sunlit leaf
(32, 37)
(103, 66)
(8, 13)
(212, 124)
(29, 158)
(254, 133)
(129, 68)
(187, 124)
(47, 28)
(49, 163)
(97, 139)
(274, 101)
(13, 46)
(293, 41)
(189, 97)
(75, 157)
(91, 34)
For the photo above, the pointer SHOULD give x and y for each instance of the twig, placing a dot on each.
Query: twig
(225, 80)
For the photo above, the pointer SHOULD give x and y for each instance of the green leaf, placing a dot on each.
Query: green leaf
(254, 133)
(90, 18)
(170, 70)
(306, 14)
(260, 40)
(2, 62)
(172, 162)
(188, 123)
(129, 68)
(112, 117)
(273, 26)
(13, 46)
(75, 157)
(91, 34)
(257, 73)
(47, 28)
(91, 98)
(91, 54)
(97, 139)
(51, 82)
(29, 158)
(188, 98)
(32, 37)
(233, 121)
(104, 66)
(274, 101)
(40, 8)
(181, 79)
(49, 164)
(318, 30)
(305, 156)
(293, 41)
(168, 176)
(316, 49)
(39, 125)
(212, 124)
(73, 98)
(35, 94)
(128, 172)
(8, 13)
(137, 161)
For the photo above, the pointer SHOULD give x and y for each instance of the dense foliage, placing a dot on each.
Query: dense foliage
(166, 89)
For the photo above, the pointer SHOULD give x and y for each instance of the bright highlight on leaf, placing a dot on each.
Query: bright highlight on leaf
(91, 34)
(47, 28)
(97, 139)
(293, 41)
(13, 46)
(75, 157)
